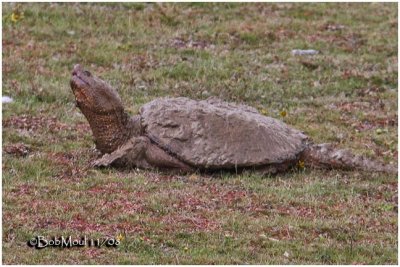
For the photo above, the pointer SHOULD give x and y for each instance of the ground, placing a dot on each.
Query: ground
(346, 94)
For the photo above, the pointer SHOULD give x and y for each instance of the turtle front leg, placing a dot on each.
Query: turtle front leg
(130, 154)
(140, 152)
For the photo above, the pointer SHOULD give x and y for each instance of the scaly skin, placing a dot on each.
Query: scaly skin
(326, 156)
(102, 107)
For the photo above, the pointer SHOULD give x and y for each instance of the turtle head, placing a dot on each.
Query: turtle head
(102, 107)
(93, 94)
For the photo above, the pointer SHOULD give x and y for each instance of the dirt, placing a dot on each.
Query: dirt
(18, 150)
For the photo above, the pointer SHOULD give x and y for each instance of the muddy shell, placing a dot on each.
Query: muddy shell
(214, 134)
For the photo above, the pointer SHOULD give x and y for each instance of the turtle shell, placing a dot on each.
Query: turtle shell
(214, 134)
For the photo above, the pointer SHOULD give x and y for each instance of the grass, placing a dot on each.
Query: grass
(347, 94)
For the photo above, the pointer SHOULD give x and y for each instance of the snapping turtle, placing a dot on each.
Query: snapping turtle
(186, 135)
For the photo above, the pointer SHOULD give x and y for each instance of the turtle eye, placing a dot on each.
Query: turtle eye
(87, 73)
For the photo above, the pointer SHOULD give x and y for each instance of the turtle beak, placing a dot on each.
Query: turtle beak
(77, 68)
(78, 85)
(78, 79)
(75, 72)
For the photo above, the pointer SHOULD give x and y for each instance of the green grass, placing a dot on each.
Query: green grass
(347, 94)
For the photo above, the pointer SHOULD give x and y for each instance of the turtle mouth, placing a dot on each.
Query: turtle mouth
(79, 78)
(77, 82)
(78, 86)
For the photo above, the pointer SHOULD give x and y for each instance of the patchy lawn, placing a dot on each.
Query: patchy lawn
(347, 94)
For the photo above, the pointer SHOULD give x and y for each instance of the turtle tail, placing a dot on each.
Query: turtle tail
(326, 156)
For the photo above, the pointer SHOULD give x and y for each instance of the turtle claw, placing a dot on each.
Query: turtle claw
(101, 162)
(108, 159)
(96, 164)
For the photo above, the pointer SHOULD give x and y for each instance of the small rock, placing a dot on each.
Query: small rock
(7, 99)
(71, 33)
(286, 254)
(205, 93)
(300, 52)
(334, 27)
